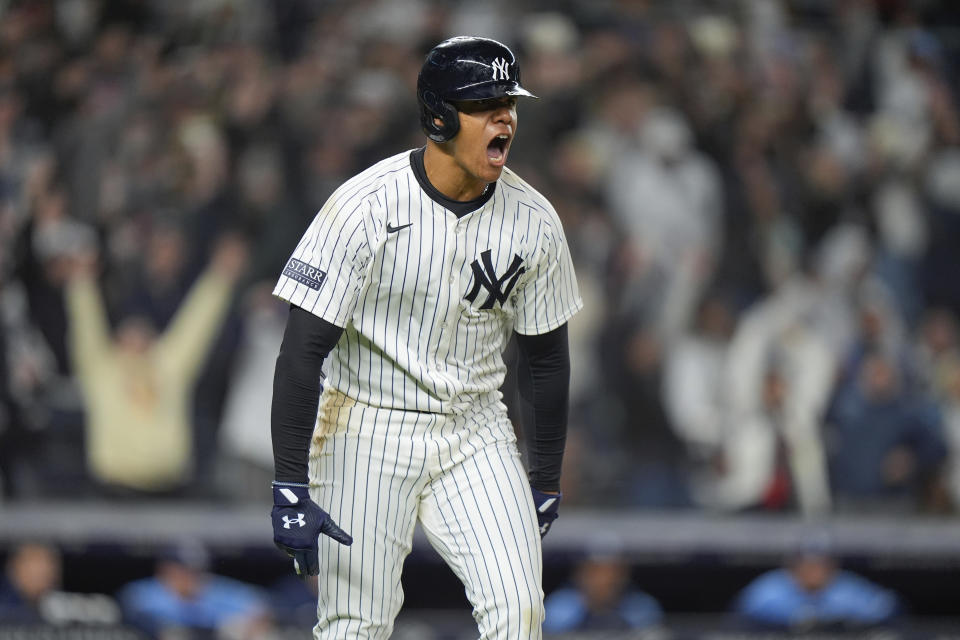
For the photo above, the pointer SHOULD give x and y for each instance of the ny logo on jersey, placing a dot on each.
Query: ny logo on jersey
(485, 276)
(287, 521)
(500, 69)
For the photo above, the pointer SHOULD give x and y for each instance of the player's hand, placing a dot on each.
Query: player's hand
(297, 525)
(547, 506)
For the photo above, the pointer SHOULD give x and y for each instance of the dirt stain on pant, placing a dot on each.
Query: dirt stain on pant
(333, 416)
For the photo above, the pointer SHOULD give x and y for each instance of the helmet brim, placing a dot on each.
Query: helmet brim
(520, 91)
(488, 90)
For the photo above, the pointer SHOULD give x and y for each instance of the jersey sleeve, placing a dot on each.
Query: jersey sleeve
(549, 295)
(326, 271)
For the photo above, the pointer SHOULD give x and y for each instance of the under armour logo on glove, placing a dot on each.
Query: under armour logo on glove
(292, 505)
(547, 505)
(287, 521)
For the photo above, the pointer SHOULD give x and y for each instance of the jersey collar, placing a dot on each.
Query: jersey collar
(459, 207)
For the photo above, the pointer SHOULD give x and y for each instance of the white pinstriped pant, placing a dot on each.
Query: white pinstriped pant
(377, 471)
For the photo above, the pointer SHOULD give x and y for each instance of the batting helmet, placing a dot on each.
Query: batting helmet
(464, 68)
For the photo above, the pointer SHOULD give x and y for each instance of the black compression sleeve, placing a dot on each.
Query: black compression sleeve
(544, 383)
(296, 391)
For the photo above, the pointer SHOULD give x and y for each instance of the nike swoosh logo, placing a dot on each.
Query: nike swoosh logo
(392, 229)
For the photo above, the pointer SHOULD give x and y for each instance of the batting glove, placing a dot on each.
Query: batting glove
(547, 506)
(297, 525)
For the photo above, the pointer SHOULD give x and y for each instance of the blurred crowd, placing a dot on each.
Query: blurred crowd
(182, 597)
(762, 198)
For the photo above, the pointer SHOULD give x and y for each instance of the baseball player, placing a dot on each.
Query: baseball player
(405, 289)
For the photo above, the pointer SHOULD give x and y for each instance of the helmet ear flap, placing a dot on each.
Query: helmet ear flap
(431, 107)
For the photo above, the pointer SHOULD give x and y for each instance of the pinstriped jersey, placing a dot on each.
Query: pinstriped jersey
(428, 299)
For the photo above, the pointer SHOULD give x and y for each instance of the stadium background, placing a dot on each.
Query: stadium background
(762, 198)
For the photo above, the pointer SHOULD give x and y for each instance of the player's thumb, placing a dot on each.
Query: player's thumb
(330, 528)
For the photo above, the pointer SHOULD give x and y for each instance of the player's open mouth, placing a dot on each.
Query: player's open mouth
(497, 149)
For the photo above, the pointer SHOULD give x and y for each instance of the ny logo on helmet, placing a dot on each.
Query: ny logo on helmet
(287, 521)
(500, 66)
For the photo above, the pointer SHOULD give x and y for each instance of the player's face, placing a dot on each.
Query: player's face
(487, 128)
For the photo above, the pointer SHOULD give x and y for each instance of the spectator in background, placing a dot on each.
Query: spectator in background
(879, 330)
(646, 457)
(937, 355)
(600, 596)
(777, 384)
(45, 421)
(750, 467)
(812, 593)
(21, 373)
(245, 449)
(45, 248)
(30, 592)
(33, 573)
(942, 194)
(266, 211)
(937, 352)
(693, 395)
(159, 281)
(136, 384)
(889, 443)
(952, 423)
(293, 600)
(183, 598)
(667, 197)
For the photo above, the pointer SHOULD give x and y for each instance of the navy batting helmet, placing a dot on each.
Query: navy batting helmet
(464, 68)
